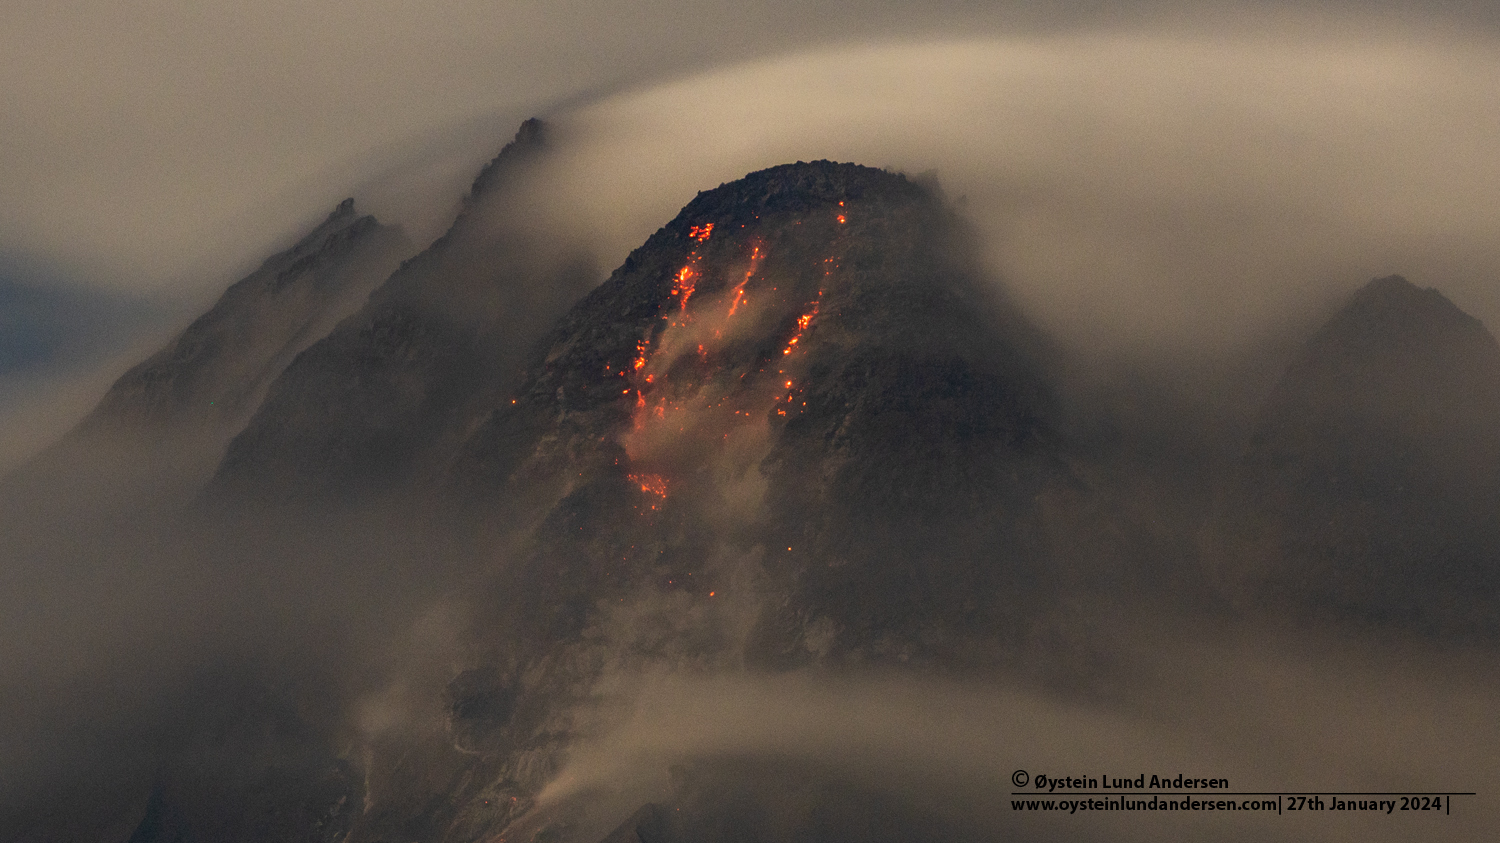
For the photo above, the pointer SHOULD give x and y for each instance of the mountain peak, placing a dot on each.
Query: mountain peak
(531, 137)
(1393, 314)
(793, 189)
(215, 371)
(1375, 459)
(1395, 292)
(1390, 285)
(358, 413)
(344, 210)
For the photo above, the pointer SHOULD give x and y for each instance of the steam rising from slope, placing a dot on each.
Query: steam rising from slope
(1267, 711)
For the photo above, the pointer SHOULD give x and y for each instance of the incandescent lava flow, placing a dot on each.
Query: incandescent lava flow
(808, 358)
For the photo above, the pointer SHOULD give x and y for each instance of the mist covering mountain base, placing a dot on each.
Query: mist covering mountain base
(801, 431)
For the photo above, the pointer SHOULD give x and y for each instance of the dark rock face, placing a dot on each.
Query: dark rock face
(379, 401)
(1372, 482)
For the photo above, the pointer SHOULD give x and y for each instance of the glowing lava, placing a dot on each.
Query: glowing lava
(651, 484)
(739, 289)
(802, 322)
(687, 281)
(722, 393)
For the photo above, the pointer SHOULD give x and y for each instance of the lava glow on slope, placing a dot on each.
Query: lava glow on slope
(653, 484)
(687, 281)
(713, 413)
(739, 289)
(802, 322)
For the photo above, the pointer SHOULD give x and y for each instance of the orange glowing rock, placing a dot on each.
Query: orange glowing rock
(687, 280)
(651, 484)
(756, 255)
(803, 321)
(701, 232)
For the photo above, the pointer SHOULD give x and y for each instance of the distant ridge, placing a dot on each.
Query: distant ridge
(1373, 477)
(170, 416)
(376, 405)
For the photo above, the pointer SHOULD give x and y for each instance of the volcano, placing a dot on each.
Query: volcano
(801, 431)
(797, 426)
(809, 360)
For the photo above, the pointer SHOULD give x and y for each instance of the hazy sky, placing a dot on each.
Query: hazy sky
(153, 143)
(1142, 171)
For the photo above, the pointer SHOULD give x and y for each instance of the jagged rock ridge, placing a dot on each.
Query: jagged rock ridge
(214, 373)
(376, 403)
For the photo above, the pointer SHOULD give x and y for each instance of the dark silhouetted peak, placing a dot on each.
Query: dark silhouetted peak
(344, 208)
(1390, 318)
(530, 139)
(1390, 285)
(1373, 475)
(1396, 356)
(343, 221)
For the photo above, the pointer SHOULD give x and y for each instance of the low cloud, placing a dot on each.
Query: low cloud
(1268, 710)
(1134, 189)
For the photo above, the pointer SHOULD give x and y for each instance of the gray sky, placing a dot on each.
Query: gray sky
(1157, 172)
(154, 144)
